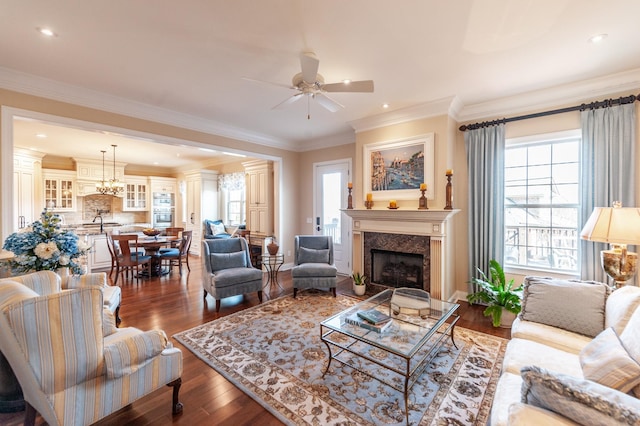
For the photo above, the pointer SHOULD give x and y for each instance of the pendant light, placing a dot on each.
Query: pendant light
(113, 186)
(102, 186)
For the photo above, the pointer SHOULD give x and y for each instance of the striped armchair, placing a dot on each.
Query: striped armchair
(73, 369)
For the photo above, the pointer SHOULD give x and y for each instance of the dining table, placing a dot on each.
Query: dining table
(152, 246)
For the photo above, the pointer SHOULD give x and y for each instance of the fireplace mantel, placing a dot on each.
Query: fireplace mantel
(431, 223)
(414, 222)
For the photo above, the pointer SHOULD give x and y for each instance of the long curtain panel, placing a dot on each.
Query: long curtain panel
(608, 172)
(485, 158)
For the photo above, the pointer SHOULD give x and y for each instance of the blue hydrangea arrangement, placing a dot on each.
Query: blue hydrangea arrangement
(45, 246)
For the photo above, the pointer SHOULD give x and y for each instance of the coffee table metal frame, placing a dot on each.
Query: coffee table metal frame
(426, 337)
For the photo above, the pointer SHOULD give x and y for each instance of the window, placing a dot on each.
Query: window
(235, 206)
(542, 202)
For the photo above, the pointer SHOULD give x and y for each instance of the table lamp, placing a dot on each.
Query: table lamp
(617, 226)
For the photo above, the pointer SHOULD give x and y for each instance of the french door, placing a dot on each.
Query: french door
(330, 196)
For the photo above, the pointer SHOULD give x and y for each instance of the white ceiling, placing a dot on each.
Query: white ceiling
(190, 60)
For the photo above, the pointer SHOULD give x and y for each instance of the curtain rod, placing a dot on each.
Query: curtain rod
(593, 105)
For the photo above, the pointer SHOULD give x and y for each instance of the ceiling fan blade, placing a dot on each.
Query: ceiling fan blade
(353, 86)
(268, 83)
(309, 64)
(288, 101)
(327, 102)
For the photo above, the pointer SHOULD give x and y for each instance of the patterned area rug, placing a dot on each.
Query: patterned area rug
(273, 352)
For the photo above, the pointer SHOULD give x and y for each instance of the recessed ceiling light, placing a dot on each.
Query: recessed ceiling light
(46, 32)
(597, 38)
(155, 163)
(41, 135)
(346, 81)
(233, 154)
(385, 105)
(207, 150)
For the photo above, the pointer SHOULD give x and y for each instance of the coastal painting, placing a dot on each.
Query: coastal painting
(395, 170)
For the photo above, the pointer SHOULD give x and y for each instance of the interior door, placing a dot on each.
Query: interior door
(331, 179)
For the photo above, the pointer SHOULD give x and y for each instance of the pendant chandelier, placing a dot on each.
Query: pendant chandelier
(113, 186)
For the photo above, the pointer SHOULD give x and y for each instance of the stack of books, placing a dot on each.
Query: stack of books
(371, 319)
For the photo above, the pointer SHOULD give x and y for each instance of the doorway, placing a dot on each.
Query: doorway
(330, 197)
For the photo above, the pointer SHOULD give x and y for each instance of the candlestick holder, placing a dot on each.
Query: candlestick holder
(368, 204)
(449, 194)
(350, 200)
(422, 201)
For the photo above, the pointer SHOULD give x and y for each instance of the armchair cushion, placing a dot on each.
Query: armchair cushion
(221, 261)
(108, 322)
(307, 255)
(42, 282)
(545, 302)
(234, 276)
(48, 328)
(314, 270)
(606, 361)
(583, 401)
(125, 357)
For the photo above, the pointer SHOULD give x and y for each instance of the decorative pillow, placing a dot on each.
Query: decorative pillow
(583, 401)
(126, 356)
(605, 360)
(306, 255)
(218, 228)
(576, 306)
(220, 261)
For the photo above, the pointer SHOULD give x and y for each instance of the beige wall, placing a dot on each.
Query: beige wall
(290, 183)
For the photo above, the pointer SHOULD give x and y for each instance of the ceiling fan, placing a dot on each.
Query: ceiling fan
(311, 84)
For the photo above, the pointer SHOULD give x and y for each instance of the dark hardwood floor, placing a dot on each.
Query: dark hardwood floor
(173, 303)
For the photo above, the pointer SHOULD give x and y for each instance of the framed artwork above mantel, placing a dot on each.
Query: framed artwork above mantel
(394, 170)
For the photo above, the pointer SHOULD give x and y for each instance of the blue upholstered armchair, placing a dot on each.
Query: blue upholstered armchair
(227, 269)
(314, 266)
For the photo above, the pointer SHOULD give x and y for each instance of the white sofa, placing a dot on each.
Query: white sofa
(574, 344)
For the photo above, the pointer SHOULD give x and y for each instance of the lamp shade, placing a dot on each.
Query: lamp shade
(613, 225)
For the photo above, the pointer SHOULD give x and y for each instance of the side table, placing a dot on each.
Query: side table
(272, 264)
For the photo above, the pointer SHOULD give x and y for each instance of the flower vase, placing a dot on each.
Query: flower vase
(64, 274)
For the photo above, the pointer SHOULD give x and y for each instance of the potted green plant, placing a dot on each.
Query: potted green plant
(503, 300)
(359, 286)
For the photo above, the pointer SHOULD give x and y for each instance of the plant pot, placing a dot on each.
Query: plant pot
(507, 318)
(272, 248)
(359, 290)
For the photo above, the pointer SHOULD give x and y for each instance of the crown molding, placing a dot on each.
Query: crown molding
(429, 109)
(47, 88)
(571, 93)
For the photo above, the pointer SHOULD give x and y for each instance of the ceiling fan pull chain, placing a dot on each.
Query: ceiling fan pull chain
(308, 108)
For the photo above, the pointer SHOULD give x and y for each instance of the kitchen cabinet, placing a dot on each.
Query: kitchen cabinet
(27, 177)
(59, 190)
(163, 185)
(136, 195)
(202, 203)
(259, 187)
(99, 257)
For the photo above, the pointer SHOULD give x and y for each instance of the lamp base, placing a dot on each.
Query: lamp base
(620, 265)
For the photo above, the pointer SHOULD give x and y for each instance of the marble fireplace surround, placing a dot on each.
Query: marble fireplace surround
(433, 224)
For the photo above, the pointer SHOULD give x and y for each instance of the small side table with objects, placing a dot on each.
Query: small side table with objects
(272, 264)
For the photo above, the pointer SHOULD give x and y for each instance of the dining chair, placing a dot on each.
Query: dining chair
(129, 258)
(172, 232)
(175, 256)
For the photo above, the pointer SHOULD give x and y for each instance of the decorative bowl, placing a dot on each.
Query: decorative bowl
(151, 232)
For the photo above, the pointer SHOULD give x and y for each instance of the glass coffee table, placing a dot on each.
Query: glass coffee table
(405, 347)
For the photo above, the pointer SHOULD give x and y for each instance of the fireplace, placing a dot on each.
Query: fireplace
(396, 269)
(396, 260)
(412, 231)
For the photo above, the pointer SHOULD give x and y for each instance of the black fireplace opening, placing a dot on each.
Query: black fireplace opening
(396, 269)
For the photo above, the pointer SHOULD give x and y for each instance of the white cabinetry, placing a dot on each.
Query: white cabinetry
(99, 256)
(202, 203)
(259, 175)
(27, 201)
(59, 190)
(163, 185)
(136, 194)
